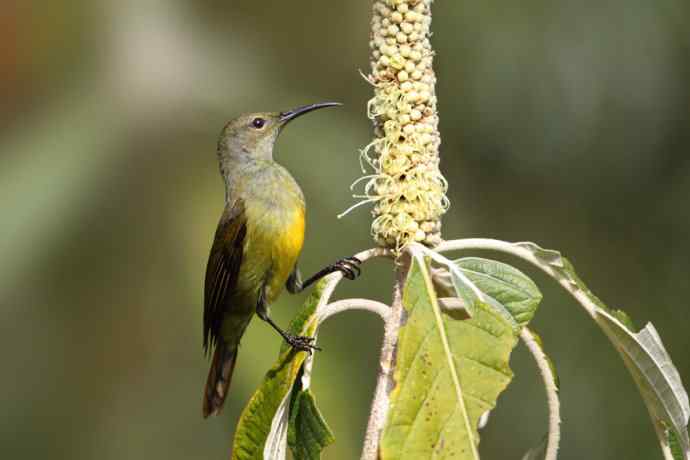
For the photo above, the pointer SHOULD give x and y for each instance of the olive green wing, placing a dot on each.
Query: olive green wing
(223, 269)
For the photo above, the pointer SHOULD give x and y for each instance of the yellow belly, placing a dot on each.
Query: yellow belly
(287, 247)
(272, 246)
(290, 243)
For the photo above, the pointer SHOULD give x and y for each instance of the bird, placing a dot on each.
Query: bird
(256, 246)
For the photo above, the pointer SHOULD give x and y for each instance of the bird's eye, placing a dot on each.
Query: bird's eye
(258, 123)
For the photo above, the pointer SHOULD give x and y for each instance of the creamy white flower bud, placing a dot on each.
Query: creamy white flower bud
(406, 87)
(411, 17)
(407, 188)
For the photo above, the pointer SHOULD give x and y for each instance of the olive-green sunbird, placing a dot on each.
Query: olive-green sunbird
(257, 243)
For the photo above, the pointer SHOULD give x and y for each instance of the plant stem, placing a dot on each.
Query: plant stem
(384, 383)
(323, 307)
(340, 306)
(551, 392)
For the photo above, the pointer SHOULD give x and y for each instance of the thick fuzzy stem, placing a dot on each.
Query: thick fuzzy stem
(384, 383)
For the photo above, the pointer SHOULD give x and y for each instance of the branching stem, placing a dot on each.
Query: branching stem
(324, 309)
(392, 317)
(333, 279)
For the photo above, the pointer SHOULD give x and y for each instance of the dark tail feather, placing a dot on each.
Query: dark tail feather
(219, 377)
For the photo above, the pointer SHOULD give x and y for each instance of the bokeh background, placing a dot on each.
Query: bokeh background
(564, 123)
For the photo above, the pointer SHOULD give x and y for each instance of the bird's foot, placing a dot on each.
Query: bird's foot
(301, 343)
(349, 267)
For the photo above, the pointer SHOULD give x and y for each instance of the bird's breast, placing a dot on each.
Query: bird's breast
(292, 238)
(275, 236)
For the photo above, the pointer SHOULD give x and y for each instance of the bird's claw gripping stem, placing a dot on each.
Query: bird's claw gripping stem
(349, 267)
(301, 342)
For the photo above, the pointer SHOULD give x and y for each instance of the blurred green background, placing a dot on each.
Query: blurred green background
(565, 123)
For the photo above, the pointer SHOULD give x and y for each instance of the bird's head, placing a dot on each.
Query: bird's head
(252, 136)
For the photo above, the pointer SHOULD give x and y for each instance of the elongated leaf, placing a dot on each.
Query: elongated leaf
(448, 373)
(263, 425)
(656, 376)
(275, 446)
(643, 353)
(563, 270)
(308, 433)
(675, 444)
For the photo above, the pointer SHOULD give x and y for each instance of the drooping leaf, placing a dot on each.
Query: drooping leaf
(675, 444)
(564, 271)
(263, 424)
(643, 353)
(275, 446)
(308, 433)
(657, 378)
(448, 373)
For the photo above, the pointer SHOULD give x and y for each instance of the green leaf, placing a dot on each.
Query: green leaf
(262, 425)
(643, 352)
(308, 433)
(448, 373)
(507, 285)
(505, 288)
(674, 444)
(657, 378)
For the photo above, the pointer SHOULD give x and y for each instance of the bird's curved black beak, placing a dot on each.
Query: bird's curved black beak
(294, 113)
